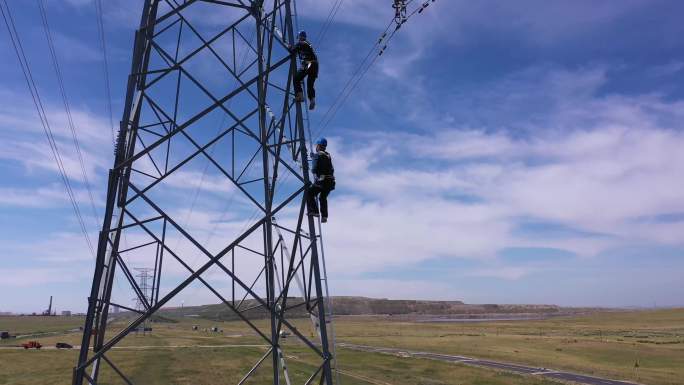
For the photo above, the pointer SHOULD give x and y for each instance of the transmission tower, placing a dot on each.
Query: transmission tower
(146, 290)
(198, 65)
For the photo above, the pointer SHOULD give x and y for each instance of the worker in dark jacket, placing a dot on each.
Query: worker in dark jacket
(324, 180)
(309, 69)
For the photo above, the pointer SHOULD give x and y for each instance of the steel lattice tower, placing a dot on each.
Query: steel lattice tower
(146, 290)
(195, 66)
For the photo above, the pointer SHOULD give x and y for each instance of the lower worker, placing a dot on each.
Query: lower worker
(309, 69)
(324, 180)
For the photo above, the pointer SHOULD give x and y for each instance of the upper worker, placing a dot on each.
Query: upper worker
(324, 180)
(309, 69)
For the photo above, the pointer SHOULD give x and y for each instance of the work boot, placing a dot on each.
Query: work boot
(299, 97)
(324, 219)
(312, 103)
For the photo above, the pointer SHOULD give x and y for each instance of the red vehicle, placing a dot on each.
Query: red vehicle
(32, 345)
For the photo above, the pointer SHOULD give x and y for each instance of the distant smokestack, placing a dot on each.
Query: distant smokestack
(50, 307)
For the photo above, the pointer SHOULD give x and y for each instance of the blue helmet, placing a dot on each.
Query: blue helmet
(323, 142)
(301, 35)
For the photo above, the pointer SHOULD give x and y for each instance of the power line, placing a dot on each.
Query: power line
(355, 73)
(28, 76)
(105, 64)
(363, 68)
(328, 21)
(65, 100)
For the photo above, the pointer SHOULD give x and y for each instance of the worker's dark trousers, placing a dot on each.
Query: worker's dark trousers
(311, 73)
(321, 190)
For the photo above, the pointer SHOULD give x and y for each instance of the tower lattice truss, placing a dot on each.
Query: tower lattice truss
(208, 191)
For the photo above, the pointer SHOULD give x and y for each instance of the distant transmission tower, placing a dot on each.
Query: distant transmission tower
(210, 108)
(146, 291)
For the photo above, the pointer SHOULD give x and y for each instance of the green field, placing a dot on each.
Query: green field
(602, 344)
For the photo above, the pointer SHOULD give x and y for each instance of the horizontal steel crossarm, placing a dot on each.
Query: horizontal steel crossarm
(144, 173)
(136, 247)
(219, 2)
(118, 228)
(303, 235)
(251, 181)
(130, 160)
(119, 305)
(253, 251)
(144, 127)
(172, 12)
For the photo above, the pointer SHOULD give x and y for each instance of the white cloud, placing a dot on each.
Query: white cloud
(49, 249)
(509, 273)
(41, 197)
(594, 164)
(537, 144)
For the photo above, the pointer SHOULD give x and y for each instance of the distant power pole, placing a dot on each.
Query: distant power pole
(216, 101)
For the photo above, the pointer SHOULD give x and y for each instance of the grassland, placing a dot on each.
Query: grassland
(211, 358)
(603, 344)
(37, 324)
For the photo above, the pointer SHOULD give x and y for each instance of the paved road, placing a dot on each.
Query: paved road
(548, 373)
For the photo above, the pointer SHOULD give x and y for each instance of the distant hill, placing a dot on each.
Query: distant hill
(356, 306)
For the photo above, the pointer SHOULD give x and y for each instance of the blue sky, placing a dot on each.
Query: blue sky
(498, 152)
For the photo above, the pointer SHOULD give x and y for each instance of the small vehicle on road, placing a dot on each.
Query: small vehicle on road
(32, 345)
(63, 345)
